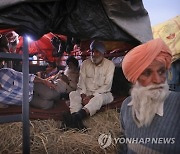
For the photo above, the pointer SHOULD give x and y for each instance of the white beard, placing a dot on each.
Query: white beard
(96, 60)
(145, 102)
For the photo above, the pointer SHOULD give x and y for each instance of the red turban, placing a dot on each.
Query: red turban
(140, 57)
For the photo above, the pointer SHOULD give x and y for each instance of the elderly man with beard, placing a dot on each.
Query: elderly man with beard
(93, 89)
(151, 114)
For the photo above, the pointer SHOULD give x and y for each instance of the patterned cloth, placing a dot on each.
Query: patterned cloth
(169, 32)
(11, 91)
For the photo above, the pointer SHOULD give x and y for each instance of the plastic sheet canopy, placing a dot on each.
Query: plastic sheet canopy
(120, 20)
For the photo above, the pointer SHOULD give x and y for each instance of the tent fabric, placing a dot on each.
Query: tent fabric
(130, 16)
(120, 20)
(169, 32)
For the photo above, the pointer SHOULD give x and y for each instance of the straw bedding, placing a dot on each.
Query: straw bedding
(47, 137)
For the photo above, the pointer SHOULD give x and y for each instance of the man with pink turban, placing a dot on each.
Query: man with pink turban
(150, 116)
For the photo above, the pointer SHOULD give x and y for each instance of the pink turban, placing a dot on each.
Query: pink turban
(140, 57)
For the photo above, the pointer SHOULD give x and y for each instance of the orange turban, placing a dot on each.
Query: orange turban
(140, 57)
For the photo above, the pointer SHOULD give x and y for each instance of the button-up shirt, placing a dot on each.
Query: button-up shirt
(96, 79)
(11, 86)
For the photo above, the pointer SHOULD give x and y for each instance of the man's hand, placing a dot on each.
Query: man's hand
(50, 78)
(49, 84)
(45, 82)
(65, 78)
(83, 96)
(86, 99)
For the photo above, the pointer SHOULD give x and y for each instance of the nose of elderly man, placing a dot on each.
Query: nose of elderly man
(157, 79)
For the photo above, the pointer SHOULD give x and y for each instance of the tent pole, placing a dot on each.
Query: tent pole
(25, 101)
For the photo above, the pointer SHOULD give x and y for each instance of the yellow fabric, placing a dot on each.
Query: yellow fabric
(169, 32)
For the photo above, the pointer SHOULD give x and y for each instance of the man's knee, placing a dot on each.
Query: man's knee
(75, 101)
(94, 104)
(98, 98)
(73, 94)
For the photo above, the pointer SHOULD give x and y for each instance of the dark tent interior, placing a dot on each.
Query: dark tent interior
(85, 20)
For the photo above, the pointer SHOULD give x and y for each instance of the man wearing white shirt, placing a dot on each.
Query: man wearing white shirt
(94, 86)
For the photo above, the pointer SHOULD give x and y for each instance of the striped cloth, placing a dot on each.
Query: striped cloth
(11, 91)
(162, 136)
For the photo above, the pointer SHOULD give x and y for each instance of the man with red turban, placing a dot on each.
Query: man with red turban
(151, 114)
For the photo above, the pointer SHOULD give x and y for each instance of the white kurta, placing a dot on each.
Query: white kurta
(93, 80)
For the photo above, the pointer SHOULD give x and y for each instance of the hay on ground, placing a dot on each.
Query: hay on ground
(47, 137)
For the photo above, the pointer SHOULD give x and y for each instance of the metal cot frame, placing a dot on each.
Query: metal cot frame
(24, 116)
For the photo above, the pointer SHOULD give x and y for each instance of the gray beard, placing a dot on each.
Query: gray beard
(145, 102)
(96, 60)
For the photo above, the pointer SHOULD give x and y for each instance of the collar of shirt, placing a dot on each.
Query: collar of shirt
(99, 64)
(160, 110)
